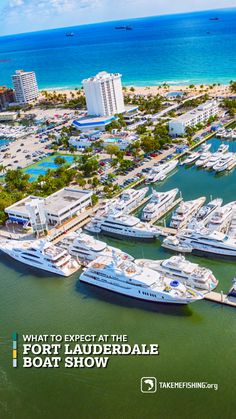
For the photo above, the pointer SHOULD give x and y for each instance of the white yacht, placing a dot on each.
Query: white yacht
(204, 242)
(41, 254)
(223, 148)
(177, 267)
(127, 278)
(129, 199)
(221, 217)
(159, 202)
(215, 157)
(85, 248)
(181, 215)
(119, 225)
(205, 212)
(191, 158)
(177, 245)
(203, 159)
(160, 172)
(205, 147)
(224, 162)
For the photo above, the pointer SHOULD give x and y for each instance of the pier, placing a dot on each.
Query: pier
(220, 298)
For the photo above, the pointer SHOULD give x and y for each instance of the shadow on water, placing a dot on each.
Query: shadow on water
(25, 271)
(92, 292)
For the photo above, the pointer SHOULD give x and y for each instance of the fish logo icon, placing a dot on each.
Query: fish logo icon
(148, 384)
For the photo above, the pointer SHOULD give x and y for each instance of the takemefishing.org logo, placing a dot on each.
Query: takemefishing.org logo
(148, 385)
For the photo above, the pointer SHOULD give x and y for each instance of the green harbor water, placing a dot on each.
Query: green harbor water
(197, 343)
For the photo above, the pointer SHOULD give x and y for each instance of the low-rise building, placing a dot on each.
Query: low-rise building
(8, 116)
(58, 207)
(93, 123)
(202, 113)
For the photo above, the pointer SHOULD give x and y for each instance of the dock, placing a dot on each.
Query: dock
(220, 298)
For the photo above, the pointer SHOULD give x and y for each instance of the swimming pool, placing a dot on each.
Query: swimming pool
(112, 140)
(41, 167)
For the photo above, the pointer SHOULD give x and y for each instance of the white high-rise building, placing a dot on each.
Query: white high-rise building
(104, 96)
(25, 85)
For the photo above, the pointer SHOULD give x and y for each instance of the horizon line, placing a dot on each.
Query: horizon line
(119, 20)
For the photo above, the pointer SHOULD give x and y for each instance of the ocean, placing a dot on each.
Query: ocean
(177, 49)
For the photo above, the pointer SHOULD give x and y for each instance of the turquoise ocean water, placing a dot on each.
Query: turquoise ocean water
(183, 48)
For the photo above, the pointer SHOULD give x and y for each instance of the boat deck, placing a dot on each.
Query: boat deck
(173, 205)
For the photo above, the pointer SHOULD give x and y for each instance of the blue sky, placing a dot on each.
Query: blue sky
(31, 15)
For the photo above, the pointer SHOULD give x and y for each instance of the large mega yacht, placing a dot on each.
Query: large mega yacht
(221, 217)
(127, 278)
(191, 158)
(215, 157)
(177, 267)
(203, 159)
(161, 171)
(129, 199)
(205, 212)
(159, 202)
(116, 224)
(203, 242)
(226, 161)
(85, 248)
(181, 215)
(41, 254)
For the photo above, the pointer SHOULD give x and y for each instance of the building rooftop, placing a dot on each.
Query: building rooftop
(63, 199)
(102, 75)
(195, 112)
(55, 203)
(93, 121)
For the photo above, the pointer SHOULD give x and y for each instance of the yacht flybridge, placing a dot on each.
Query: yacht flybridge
(116, 224)
(85, 248)
(226, 161)
(41, 254)
(205, 212)
(186, 209)
(159, 202)
(177, 267)
(221, 217)
(191, 158)
(129, 199)
(203, 159)
(127, 278)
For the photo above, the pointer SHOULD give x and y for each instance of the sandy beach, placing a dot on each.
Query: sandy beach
(219, 90)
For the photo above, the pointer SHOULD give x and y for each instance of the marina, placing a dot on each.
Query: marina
(59, 279)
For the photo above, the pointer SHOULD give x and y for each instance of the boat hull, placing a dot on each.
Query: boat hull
(123, 236)
(133, 294)
(30, 263)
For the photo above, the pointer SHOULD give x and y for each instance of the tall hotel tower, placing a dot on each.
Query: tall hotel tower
(104, 96)
(25, 85)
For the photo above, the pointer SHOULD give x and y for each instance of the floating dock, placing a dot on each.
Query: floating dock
(220, 298)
